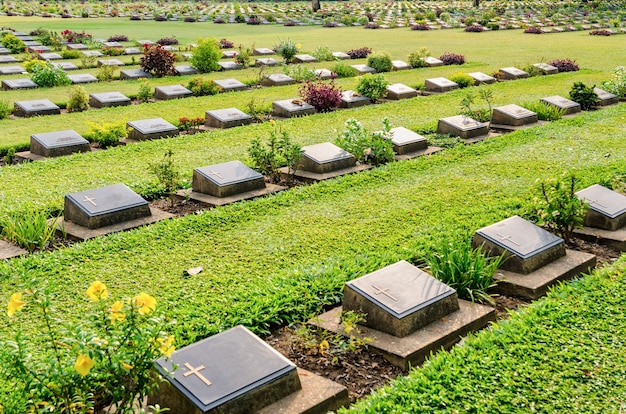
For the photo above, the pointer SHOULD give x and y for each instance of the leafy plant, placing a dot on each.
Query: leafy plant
(481, 114)
(49, 75)
(565, 65)
(416, 59)
(359, 53)
(544, 111)
(31, 230)
(533, 30)
(258, 109)
(617, 84)
(104, 359)
(118, 38)
(380, 62)
(30, 64)
(168, 176)
(462, 79)
(420, 27)
(6, 108)
(244, 56)
(584, 95)
(106, 73)
(106, 134)
(372, 86)
(474, 29)
(325, 97)
(79, 99)
(87, 62)
(299, 72)
(375, 148)
(278, 151)
(286, 49)
(157, 61)
(203, 87)
(205, 56)
(189, 124)
(71, 54)
(323, 54)
(167, 41)
(343, 70)
(8, 159)
(13, 43)
(226, 44)
(145, 91)
(557, 206)
(452, 59)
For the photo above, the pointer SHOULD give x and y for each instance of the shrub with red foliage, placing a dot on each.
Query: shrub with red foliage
(565, 65)
(474, 29)
(360, 53)
(167, 41)
(420, 26)
(157, 61)
(225, 44)
(118, 38)
(452, 59)
(325, 97)
(533, 30)
(600, 33)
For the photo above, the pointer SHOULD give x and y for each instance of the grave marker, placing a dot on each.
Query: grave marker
(362, 69)
(278, 79)
(91, 53)
(406, 141)
(606, 98)
(324, 74)
(226, 118)
(607, 208)
(151, 129)
(110, 62)
(432, 62)
(82, 78)
(546, 68)
(132, 51)
(25, 83)
(4, 51)
(184, 70)
(262, 51)
(7, 59)
(76, 46)
(570, 107)
(439, 85)
(229, 54)
(399, 91)
(35, 107)
(50, 56)
(511, 73)
(480, 78)
(512, 116)
(399, 65)
(226, 179)
(304, 58)
(108, 99)
(168, 92)
(289, 108)
(325, 157)
(351, 99)
(230, 84)
(12, 70)
(58, 143)
(265, 62)
(65, 65)
(133, 74)
(115, 45)
(228, 65)
(341, 55)
(462, 126)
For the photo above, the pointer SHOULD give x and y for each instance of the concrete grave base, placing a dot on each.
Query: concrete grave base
(413, 349)
(410, 155)
(10, 250)
(612, 238)
(535, 284)
(311, 177)
(72, 231)
(511, 128)
(29, 156)
(212, 201)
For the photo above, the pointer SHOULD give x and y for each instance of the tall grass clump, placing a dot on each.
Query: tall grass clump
(30, 231)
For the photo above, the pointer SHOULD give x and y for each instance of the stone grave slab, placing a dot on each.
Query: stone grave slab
(76, 46)
(50, 56)
(606, 98)
(325, 157)
(151, 129)
(261, 51)
(37, 48)
(512, 73)
(462, 126)
(127, 74)
(132, 51)
(110, 62)
(226, 118)
(35, 107)
(400, 65)
(351, 99)
(230, 84)
(607, 208)
(108, 99)
(278, 79)
(184, 70)
(406, 141)
(432, 62)
(341, 55)
(91, 53)
(226, 179)
(397, 91)
(229, 54)
(481, 78)
(12, 70)
(24, 83)
(82, 78)
(304, 58)
(547, 68)
(65, 65)
(324, 74)
(526, 246)
(439, 85)
(265, 62)
(4, 51)
(58, 143)
(570, 107)
(399, 299)
(7, 59)
(228, 65)
(168, 92)
(113, 44)
(10, 250)
(290, 108)
(144, 42)
(362, 69)
(511, 117)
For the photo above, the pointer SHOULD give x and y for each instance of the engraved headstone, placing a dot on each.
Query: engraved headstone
(50, 56)
(112, 44)
(304, 58)
(76, 46)
(65, 65)
(226, 179)
(432, 62)
(513, 115)
(7, 59)
(364, 68)
(171, 92)
(462, 126)
(399, 299)
(231, 372)
(480, 78)
(341, 55)
(35, 47)
(406, 141)
(127, 74)
(526, 246)
(547, 68)
(511, 73)
(4, 51)
(82, 78)
(399, 65)
(606, 98)
(91, 53)
(104, 206)
(110, 62)
(265, 62)
(324, 74)
(228, 65)
(24, 83)
(229, 54)
(439, 85)
(226, 118)
(278, 79)
(151, 129)
(132, 51)
(289, 108)
(108, 99)
(58, 143)
(398, 91)
(325, 157)
(184, 70)
(35, 107)
(260, 51)
(351, 99)
(230, 84)
(144, 42)
(607, 208)
(12, 70)
(569, 106)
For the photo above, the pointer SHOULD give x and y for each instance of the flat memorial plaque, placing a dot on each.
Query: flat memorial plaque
(230, 84)
(324, 74)
(569, 106)
(171, 92)
(400, 299)
(151, 128)
(4, 51)
(92, 53)
(112, 44)
(36, 107)
(351, 99)
(108, 99)
(110, 62)
(65, 65)
(50, 56)
(186, 70)
(399, 65)
(229, 54)
(511, 73)
(260, 51)
(35, 47)
(144, 42)
(82, 78)
(8, 59)
(104, 206)
(58, 143)
(278, 79)
(513, 115)
(546, 68)
(341, 55)
(292, 107)
(606, 98)
(406, 141)
(398, 91)
(526, 246)
(304, 58)
(325, 157)
(12, 70)
(439, 85)
(76, 46)
(432, 62)
(228, 65)
(132, 51)
(265, 62)
(25, 83)
(233, 371)
(480, 78)
(462, 126)
(607, 208)
(226, 179)
(364, 68)
(134, 74)
(227, 118)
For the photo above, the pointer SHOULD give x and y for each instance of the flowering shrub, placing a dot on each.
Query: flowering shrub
(565, 65)
(323, 96)
(452, 59)
(617, 84)
(189, 124)
(600, 33)
(287, 50)
(416, 59)
(107, 358)
(360, 53)
(157, 61)
(167, 41)
(243, 56)
(226, 44)
(533, 30)
(203, 87)
(420, 26)
(13, 43)
(49, 75)
(279, 150)
(474, 29)
(76, 37)
(372, 86)
(375, 147)
(118, 38)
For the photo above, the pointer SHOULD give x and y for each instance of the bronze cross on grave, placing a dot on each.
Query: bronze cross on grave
(195, 371)
(384, 292)
(507, 238)
(215, 173)
(89, 200)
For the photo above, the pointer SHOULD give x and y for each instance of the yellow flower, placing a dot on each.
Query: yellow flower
(97, 291)
(166, 347)
(126, 366)
(15, 303)
(84, 364)
(298, 46)
(145, 303)
(272, 122)
(116, 314)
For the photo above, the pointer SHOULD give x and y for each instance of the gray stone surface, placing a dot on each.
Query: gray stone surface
(226, 179)
(513, 115)
(151, 129)
(304, 58)
(278, 79)
(58, 143)
(10, 250)
(7, 59)
(228, 65)
(399, 299)
(186, 70)
(8, 84)
(230, 84)
(82, 78)
(133, 74)
(35, 107)
(439, 85)
(229, 54)
(511, 73)
(231, 372)
(324, 74)
(113, 44)
(168, 92)
(432, 62)
(65, 65)
(104, 206)
(341, 55)
(406, 141)
(398, 91)
(325, 157)
(4, 51)
(606, 98)
(480, 78)
(108, 99)
(12, 70)
(399, 65)
(569, 106)
(110, 62)
(289, 108)
(546, 68)
(607, 208)
(265, 62)
(261, 51)
(91, 53)
(132, 51)
(462, 126)
(50, 56)
(361, 68)
(37, 48)
(351, 99)
(526, 246)
(76, 46)
(226, 118)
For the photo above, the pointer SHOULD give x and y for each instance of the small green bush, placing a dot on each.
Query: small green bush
(71, 54)
(416, 59)
(203, 87)
(372, 86)
(278, 151)
(79, 99)
(6, 108)
(31, 230)
(145, 91)
(167, 175)
(617, 84)
(13, 43)
(106, 134)
(287, 49)
(462, 79)
(533, 70)
(380, 62)
(299, 73)
(375, 148)
(30, 64)
(584, 95)
(106, 73)
(205, 56)
(323, 54)
(343, 70)
(49, 76)
(544, 111)
(478, 114)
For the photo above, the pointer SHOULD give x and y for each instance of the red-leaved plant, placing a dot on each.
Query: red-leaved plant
(325, 97)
